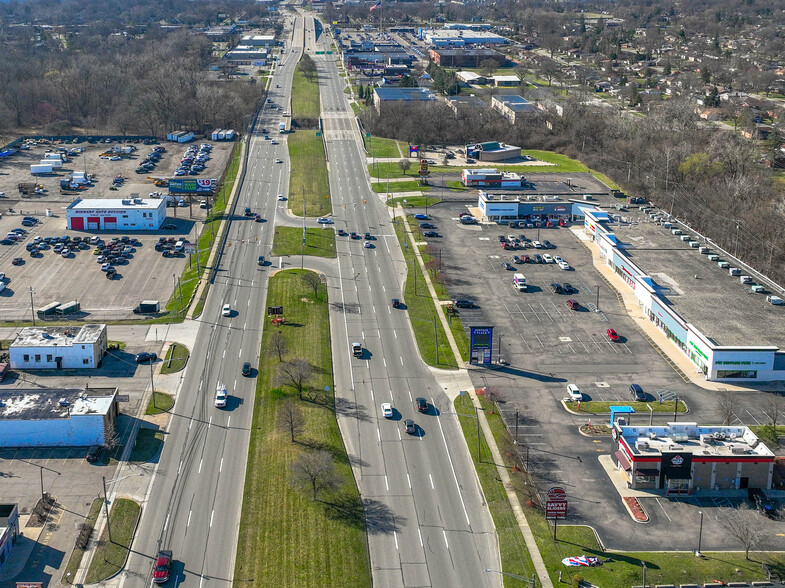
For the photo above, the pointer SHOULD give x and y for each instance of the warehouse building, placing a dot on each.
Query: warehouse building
(460, 37)
(465, 57)
(247, 55)
(57, 417)
(258, 40)
(469, 78)
(42, 348)
(491, 178)
(685, 457)
(727, 330)
(506, 81)
(104, 214)
(512, 107)
(493, 151)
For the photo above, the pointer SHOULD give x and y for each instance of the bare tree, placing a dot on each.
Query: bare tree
(279, 344)
(724, 406)
(295, 373)
(773, 408)
(493, 395)
(741, 525)
(111, 436)
(291, 418)
(313, 280)
(404, 165)
(315, 470)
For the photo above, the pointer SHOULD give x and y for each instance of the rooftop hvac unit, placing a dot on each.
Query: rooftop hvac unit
(706, 438)
(676, 448)
(754, 443)
(733, 436)
(737, 449)
(652, 435)
(641, 444)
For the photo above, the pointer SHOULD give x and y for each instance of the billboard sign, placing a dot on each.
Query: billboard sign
(556, 505)
(481, 345)
(192, 185)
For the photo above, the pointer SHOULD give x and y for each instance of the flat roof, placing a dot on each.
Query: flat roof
(404, 94)
(703, 294)
(58, 336)
(116, 203)
(703, 441)
(54, 403)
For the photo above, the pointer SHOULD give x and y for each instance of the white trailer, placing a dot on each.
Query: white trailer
(40, 169)
(54, 163)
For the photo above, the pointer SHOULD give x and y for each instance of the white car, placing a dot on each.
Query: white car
(220, 395)
(227, 310)
(557, 258)
(367, 245)
(387, 411)
(105, 267)
(547, 258)
(278, 160)
(537, 244)
(281, 197)
(325, 221)
(564, 265)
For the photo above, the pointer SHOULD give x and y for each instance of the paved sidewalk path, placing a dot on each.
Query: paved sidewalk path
(454, 383)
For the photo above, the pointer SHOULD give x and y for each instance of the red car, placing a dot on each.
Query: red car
(162, 567)
(613, 336)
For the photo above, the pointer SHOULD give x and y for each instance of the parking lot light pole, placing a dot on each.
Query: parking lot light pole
(644, 573)
(675, 409)
(700, 534)
(152, 384)
(32, 306)
(106, 506)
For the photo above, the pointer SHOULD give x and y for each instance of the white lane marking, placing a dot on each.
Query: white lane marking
(399, 435)
(452, 467)
(238, 355)
(409, 481)
(386, 485)
(221, 467)
(395, 536)
(663, 509)
(210, 422)
(384, 361)
(180, 468)
(410, 395)
(228, 421)
(395, 334)
(431, 479)
(224, 353)
(378, 434)
(200, 467)
(166, 522)
(401, 358)
(189, 519)
(447, 545)
(419, 534)
(211, 518)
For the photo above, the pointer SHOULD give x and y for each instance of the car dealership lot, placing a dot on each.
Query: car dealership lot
(546, 345)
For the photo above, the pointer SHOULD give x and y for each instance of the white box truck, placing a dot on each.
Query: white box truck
(55, 163)
(40, 169)
(519, 282)
(282, 127)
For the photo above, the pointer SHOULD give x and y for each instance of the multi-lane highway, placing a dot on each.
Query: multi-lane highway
(442, 534)
(194, 501)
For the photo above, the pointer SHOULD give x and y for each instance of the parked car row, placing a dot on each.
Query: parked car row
(514, 242)
(148, 163)
(194, 161)
(171, 246)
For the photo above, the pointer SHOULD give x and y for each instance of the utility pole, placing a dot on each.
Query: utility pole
(436, 336)
(180, 288)
(32, 306)
(152, 384)
(302, 247)
(106, 507)
(477, 416)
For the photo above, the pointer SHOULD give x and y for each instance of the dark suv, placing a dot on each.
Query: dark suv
(422, 404)
(463, 303)
(637, 392)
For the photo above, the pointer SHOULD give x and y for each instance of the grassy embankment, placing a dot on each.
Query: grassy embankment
(285, 537)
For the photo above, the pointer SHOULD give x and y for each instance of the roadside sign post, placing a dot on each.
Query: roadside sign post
(556, 506)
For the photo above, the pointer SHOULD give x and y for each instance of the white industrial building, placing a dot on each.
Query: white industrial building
(512, 106)
(56, 417)
(130, 214)
(258, 40)
(460, 37)
(491, 178)
(41, 348)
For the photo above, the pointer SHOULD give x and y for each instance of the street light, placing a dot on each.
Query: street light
(643, 563)
(106, 500)
(700, 534)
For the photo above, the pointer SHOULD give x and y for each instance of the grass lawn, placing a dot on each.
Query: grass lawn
(109, 344)
(319, 242)
(76, 555)
(455, 185)
(390, 169)
(640, 407)
(770, 435)
(357, 109)
(309, 175)
(414, 201)
(625, 570)
(285, 537)
(147, 444)
(159, 402)
(109, 557)
(305, 96)
(422, 310)
(176, 358)
(209, 235)
(413, 186)
(383, 148)
(605, 180)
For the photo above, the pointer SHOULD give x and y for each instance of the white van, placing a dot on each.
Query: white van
(179, 246)
(775, 300)
(519, 282)
(574, 392)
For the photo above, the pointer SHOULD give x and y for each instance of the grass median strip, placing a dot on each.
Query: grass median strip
(431, 339)
(318, 242)
(110, 555)
(85, 532)
(176, 358)
(159, 402)
(624, 569)
(305, 96)
(147, 444)
(593, 407)
(414, 201)
(286, 537)
(308, 178)
(413, 186)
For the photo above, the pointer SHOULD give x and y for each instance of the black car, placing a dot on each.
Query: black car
(396, 303)
(94, 453)
(516, 259)
(430, 234)
(409, 427)
(567, 287)
(427, 226)
(556, 288)
(110, 273)
(260, 261)
(508, 266)
(145, 356)
(761, 502)
(637, 392)
(463, 303)
(422, 404)
(548, 245)
(246, 368)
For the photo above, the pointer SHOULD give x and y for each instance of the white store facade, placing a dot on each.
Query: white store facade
(104, 214)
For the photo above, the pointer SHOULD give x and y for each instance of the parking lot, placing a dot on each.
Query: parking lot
(144, 275)
(547, 345)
